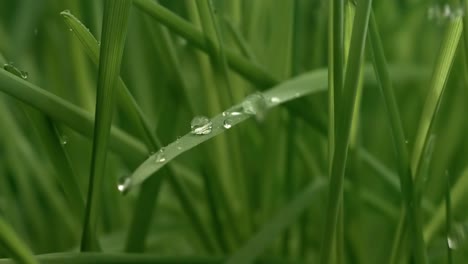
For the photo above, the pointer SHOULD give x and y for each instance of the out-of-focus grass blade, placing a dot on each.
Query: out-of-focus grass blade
(74, 117)
(399, 139)
(437, 84)
(114, 30)
(448, 218)
(439, 78)
(289, 90)
(270, 230)
(54, 143)
(124, 97)
(15, 248)
(119, 258)
(57, 154)
(250, 71)
(343, 128)
(458, 195)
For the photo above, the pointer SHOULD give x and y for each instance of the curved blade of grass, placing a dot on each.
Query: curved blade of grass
(344, 126)
(114, 30)
(439, 78)
(52, 143)
(437, 86)
(284, 218)
(91, 47)
(57, 154)
(399, 139)
(15, 248)
(250, 71)
(294, 88)
(119, 258)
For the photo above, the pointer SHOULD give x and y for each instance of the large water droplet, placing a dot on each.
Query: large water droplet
(160, 156)
(201, 125)
(456, 237)
(227, 123)
(254, 104)
(123, 184)
(9, 67)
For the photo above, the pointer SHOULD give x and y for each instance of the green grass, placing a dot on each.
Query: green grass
(337, 132)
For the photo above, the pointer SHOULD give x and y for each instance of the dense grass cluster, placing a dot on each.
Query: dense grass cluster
(335, 131)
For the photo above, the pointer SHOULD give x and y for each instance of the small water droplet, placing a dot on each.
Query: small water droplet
(225, 113)
(179, 148)
(9, 67)
(160, 156)
(64, 140)
(99, 43)
(201, 125)
(70, 29)
(406, 141)
(123, 184)
(456, 237)
(254, 104)
(275, 100)
(227, 123)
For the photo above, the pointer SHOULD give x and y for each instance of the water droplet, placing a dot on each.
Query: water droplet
(227, 123)
(123, 184)
(179, 148)
(64, 140)
(225, 113)
(70, 29)
(254, 104)
(441, 13)
(406, 141)
(9, 67)
(160, 156)
(275, 100)
(456, 236)
(201, 125)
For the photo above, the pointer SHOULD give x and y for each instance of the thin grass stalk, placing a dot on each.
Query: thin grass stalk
(344, 127)
(448, 218)
(404, 171)
(115, 23)
(14, 246)
(252, 72)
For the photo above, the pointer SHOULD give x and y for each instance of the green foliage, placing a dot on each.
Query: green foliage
(335, 131)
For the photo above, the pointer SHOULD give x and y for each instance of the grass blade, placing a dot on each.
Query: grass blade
(74, 117)
(114, 31)
(399, 139)
(250, 71)
(458, 195)
(448, 218)
(15, 248)
(284, 218)
(284, 92)
(344, 126)
(91, 47)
